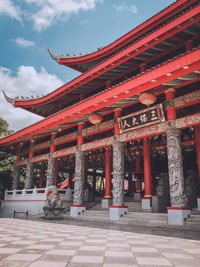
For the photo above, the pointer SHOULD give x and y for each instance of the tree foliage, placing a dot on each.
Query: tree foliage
(6, 160)
(4, 128)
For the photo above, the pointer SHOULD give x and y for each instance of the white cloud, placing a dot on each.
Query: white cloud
(7, 7)
(44, 13)
(50, 11)
(24, 43)
(125, 7)
(27, 82)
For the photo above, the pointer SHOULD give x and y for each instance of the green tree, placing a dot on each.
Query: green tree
(4, 128)
(6, 160)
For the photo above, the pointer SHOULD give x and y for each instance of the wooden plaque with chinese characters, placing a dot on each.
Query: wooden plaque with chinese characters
(146, 117)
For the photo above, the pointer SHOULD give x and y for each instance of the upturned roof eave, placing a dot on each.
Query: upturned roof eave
(26, 103)
(70, 61)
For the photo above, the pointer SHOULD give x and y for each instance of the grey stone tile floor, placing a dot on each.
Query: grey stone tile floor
(72, 243)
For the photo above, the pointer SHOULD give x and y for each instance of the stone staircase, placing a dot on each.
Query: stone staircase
(133, 206)
(194, 220)
(145, 218)
(137, 216)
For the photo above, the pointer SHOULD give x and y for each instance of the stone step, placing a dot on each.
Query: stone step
(147, 214)
(138, 219)
(188, 222)
(144, 222)
(195, 211)
(194, 218)
(129, 219)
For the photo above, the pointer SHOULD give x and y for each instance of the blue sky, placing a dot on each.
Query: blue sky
(29, 27)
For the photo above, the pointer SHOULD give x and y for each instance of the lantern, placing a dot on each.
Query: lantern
(95, 118)
(147, 99)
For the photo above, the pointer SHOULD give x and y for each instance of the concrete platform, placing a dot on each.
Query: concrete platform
(41, 244)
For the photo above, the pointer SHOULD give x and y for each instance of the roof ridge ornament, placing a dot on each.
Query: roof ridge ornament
(17, 98)
(52, 55)
(8, 99)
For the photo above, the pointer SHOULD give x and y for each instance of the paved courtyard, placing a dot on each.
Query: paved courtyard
(36, 243)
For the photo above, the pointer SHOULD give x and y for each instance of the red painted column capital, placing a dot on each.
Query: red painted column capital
(80, 139)
(52, 146)
(171, 110)
(31, 152)
(170, 93)
(117, 113)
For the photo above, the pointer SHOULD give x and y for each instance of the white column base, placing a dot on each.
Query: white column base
(146, 203)
(198, 202)
(76, 210)
(137, 196)
(106, 202)
(178, 215)
(117, 212)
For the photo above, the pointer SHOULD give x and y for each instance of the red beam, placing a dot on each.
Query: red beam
(135, 85)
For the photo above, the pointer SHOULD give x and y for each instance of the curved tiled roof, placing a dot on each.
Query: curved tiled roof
(83, 63)
(87, 80)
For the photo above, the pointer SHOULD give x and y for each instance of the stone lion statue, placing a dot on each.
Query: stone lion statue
(53, 198)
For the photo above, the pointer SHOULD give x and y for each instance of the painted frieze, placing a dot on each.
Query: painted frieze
(66, 137)
(40, 146)
(40, 158)
(22, 162)
(183, 100)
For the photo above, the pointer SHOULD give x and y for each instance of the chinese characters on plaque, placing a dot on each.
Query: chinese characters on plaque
(141, 119)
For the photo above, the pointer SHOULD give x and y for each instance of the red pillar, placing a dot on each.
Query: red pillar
(197, 141)
(41, 181)
(107, 173)
(147, 168)
(138, 181)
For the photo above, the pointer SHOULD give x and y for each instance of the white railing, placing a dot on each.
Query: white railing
(33, 194)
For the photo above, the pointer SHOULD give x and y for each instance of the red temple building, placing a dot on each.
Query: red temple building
(128, 126)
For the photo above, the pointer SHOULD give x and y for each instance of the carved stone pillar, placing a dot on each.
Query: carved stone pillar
(51, 171)
(118, 174)
(29, 176)
(175, 166)
(79, 177)
(16, 177)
